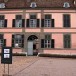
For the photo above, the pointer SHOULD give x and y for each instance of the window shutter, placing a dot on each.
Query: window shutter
(42, 22)
(23, 22)
(52, 23)
(5, 23)
(4, 42)
(13, 23)
(52, 43)
(22, 40)
(13, 40)
(38, 21)
(42, 43)
(27, 23)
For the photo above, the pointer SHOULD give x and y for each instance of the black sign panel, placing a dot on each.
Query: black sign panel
(6, 55)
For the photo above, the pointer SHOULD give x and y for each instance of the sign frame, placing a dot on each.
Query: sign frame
(6, 55)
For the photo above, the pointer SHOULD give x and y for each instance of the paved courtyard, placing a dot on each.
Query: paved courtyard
(39, 66)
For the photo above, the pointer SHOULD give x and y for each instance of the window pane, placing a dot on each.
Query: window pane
(18, 16)
(1, 23)
(47, 23)
(47, 37)
(18, 23)
(32, 16)
(33, 22)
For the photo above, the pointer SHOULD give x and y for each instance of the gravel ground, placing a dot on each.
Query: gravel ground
(39, 66)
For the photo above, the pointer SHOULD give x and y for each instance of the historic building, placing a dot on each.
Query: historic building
(43, 26)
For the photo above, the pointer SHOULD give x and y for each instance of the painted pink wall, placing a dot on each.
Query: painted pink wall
(11, 30)
(60, 30)
(58, 19)
(59, 11)
(73, 20)
(73, 40)
(10, 17)
(33, 30)
(58, 40)
(8, 38)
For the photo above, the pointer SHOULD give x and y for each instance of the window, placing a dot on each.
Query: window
(66, 5)
(67, 41)
(47, 23)
(17, 40)
(47, 20)
(66, 20)
(18, 22)
(47, 37)
(3, 21)
(33, 21)
(2, 5)
(47, 42)
(33, 5)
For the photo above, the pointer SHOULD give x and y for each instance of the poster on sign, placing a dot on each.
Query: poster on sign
(6, 50)
(6, 55)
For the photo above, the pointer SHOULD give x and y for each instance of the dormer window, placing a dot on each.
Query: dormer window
(66, 5)
(33, 5)
(2, 5)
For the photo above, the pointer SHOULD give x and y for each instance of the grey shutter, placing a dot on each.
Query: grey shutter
(52, 43)
(52, 22)
(4, 42)
(27, 23)
(23, 22)
(38, 21)
(42, 43)
(13, 40)
(13, 23)
(42, 22)
(5, 23)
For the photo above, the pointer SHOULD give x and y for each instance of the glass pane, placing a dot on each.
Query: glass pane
(18, 23)
(47, 23)
(1, 23)
(32, 22)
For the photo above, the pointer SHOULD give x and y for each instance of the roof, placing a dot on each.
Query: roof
(40, 3)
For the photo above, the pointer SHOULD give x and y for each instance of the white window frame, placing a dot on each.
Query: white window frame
(1, 23)
(18, 41)
(47, 43)
(47, 23)
(33, 22)
(18, 23)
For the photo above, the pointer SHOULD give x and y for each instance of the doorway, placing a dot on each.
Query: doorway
(32, 45)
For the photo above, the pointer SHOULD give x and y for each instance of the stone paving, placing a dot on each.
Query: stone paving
(39, 66)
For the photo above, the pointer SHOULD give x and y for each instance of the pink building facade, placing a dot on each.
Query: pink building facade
(39, 30)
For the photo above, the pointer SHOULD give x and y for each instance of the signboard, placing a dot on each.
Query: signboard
(6, 55)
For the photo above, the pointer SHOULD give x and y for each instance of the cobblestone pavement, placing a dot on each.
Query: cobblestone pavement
(39, 66)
